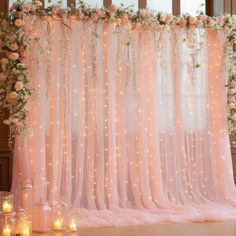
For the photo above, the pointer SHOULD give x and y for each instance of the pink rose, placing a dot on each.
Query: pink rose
(113, 8)
(137, 25)
(199, 23)
(125, 18)
(169, 18)
(101, 13)
(4, 61)
(142, 12)
(221, 20)
(13, 95)
(62, 13)
(2, 77)
(18, 86)
(94, 16)
(21, 14)
(81, 15)
(18, 23)
(27, 7)
(182, 22)
(14, 56)
(85, 7)
(14, 6)
(191, 20)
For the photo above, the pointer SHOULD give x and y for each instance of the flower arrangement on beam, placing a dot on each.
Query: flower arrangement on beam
(15, 83)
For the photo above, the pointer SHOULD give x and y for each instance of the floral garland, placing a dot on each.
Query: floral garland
(14, 81)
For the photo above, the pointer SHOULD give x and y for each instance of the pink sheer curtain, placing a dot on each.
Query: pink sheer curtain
(128, 127)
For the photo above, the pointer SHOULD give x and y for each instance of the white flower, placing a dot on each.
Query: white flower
(211, 23)
(38, 3)
(231, 105)
(162, 17)
(232, 91)
(169, 18)
(18, 86)
(234, 18)
(233, 117)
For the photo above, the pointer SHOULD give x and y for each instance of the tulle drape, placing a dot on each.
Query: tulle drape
(128, 126)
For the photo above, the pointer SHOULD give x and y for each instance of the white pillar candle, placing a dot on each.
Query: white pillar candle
(6, 207)
(73, 226)
(6, 231)
(26, 232)
(57, 225)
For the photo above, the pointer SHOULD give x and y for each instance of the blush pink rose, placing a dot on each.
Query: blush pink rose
(137, 25)
(4, 61)
(221, 20)
(94, 16)
(81, 16)
(13, 95)
(14, 47)
(14, 6)
(191, 20)
(2, 77)
(27, 7)
(18, 23)
(142, 12)
(85, 7)
(125, 18)
(13, 56)
(100, 13)
(182, 22)
(113, 8)
(199, 23)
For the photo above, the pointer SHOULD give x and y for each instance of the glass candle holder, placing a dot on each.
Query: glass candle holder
(23, 224)
(6, 202)
(72, 224)
(58, 217)
(42, 215)
(27, 197)
(7, 224)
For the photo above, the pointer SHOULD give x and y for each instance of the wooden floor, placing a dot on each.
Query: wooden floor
(191, 229)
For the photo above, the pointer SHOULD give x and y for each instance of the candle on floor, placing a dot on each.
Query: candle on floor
(26, 232)
(73, 227)
(6, 231)
(57, 225)
(6, 207)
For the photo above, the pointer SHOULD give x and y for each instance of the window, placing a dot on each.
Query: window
(93, 3)
(160, 5)
(192, 7)
(133, 3)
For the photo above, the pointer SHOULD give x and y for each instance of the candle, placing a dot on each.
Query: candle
(57, 225)
(6, 207)
(73, 226)
(26, 232)
(6, 231)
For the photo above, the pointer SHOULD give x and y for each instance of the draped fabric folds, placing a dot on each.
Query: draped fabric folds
(128, 126)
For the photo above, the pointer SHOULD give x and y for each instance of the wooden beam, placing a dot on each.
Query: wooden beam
(209, 7)
(233, 7)
(107, 3)
(70, 3)
(227, 6)
(4, 4)
(142, 4)
(176, 7)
